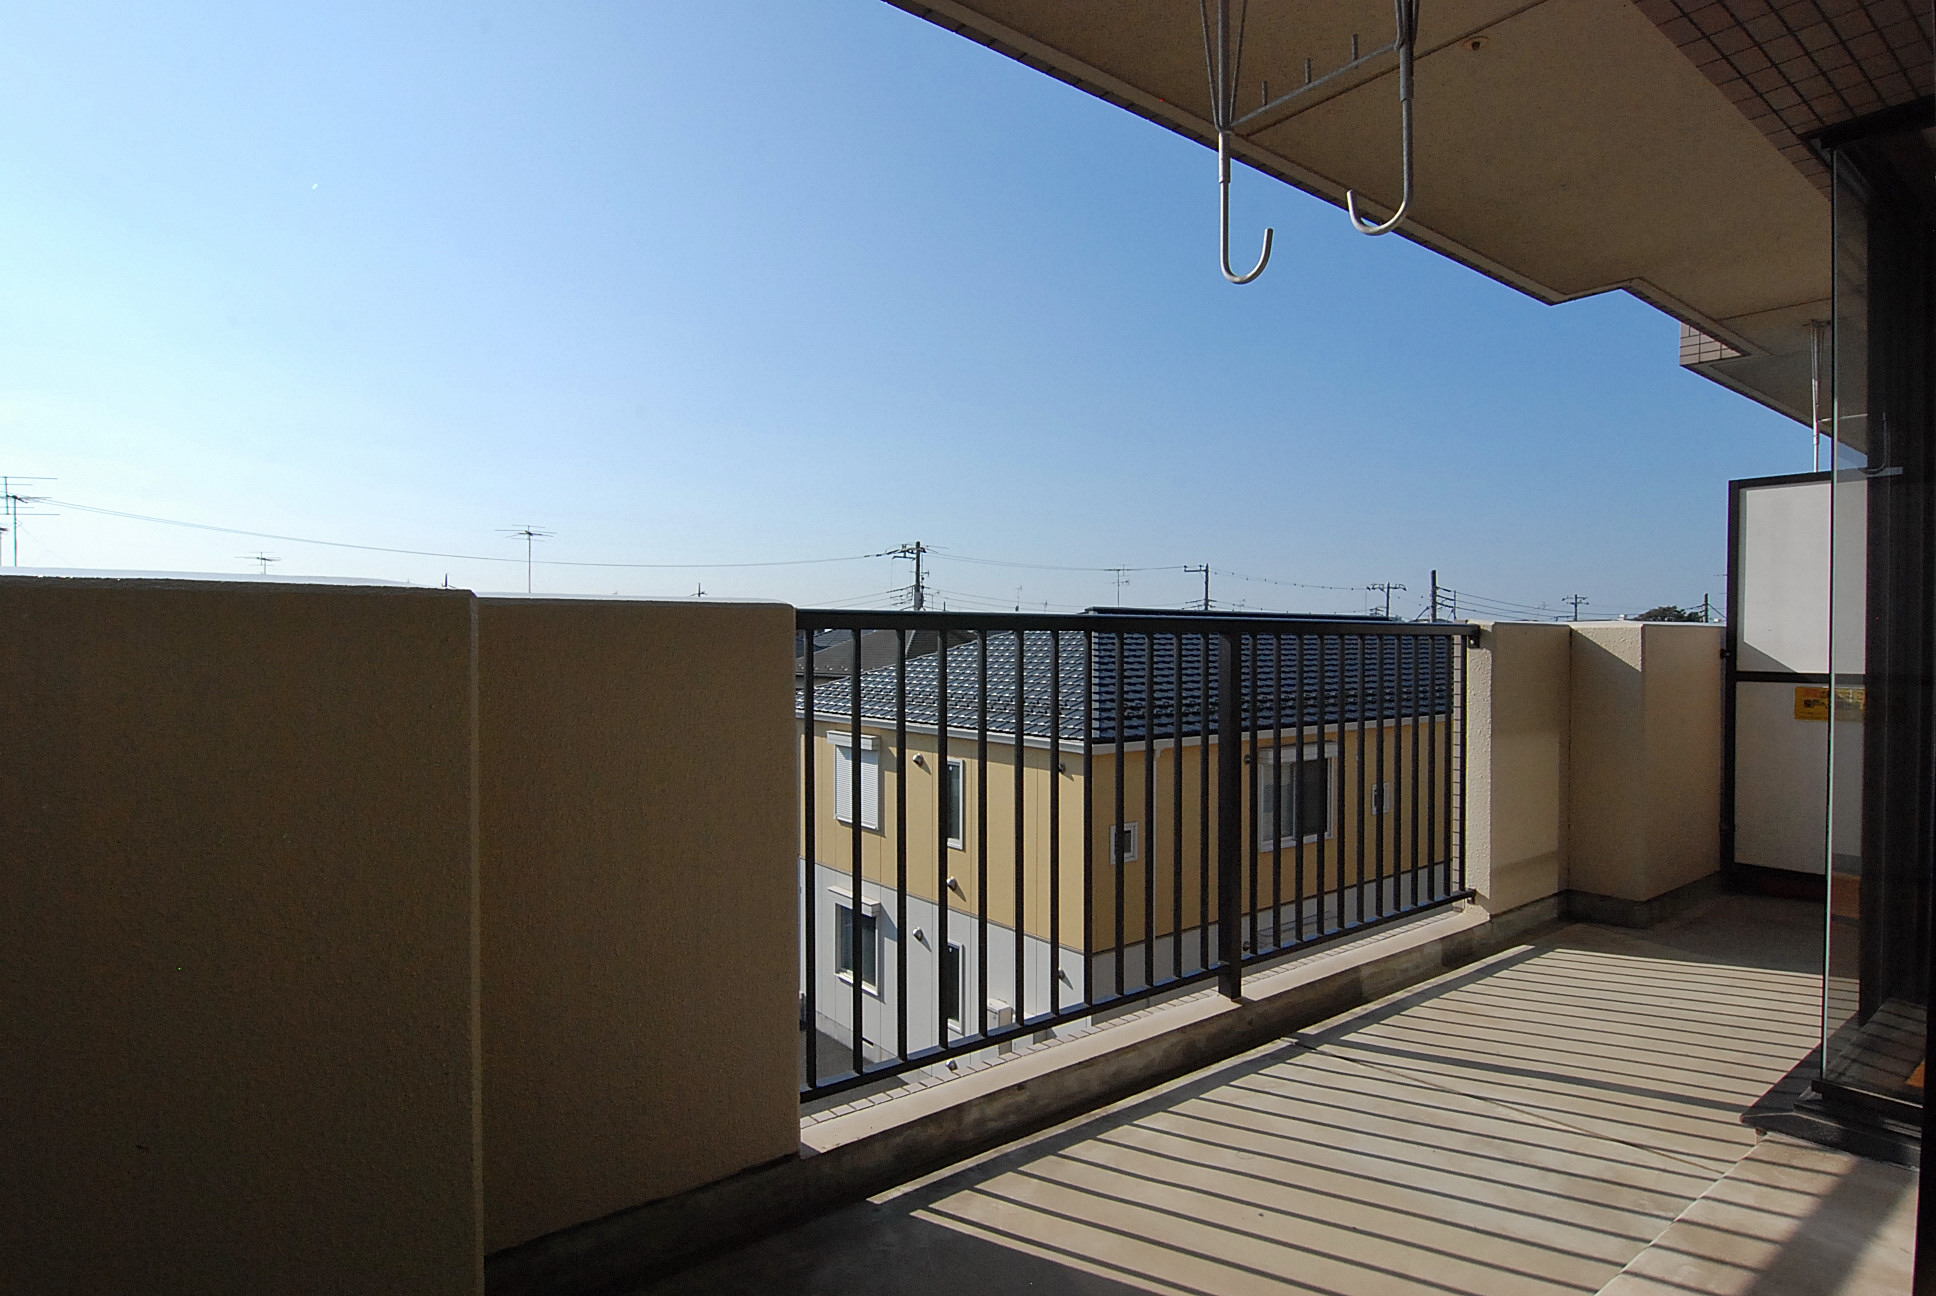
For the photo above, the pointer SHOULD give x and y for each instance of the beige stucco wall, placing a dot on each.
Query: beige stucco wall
(1595, 759)
(1519, 700)
(1646, 754)
(236, 944)
(640, 938)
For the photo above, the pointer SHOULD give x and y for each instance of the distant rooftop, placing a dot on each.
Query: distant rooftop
(1158, 685)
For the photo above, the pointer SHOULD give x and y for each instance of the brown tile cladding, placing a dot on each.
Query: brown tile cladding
(1795, 66)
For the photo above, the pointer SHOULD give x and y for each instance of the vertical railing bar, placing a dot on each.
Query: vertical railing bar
(901, 767)
(1176, 809)
(1461, 721)
(1055, 822)
(1089, 817)
(1297, 793)
(1411, 817)
(1230, 790)
(942, 799)
(1148, 844)
(981, 834)
(1362, 794)
(1277, 791)
(1252, 719)
(1431, 768)
(856, 768)
(1432, 777)
(1203, 802)
(1021, 836)
(1324, 709)
(1382, 798)
(809, 884)
(1116, 834)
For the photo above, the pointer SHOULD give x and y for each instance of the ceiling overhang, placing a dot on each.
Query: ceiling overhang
(1564, 147)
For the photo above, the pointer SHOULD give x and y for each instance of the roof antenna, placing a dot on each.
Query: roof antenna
(1407, 42)
(1222, 61)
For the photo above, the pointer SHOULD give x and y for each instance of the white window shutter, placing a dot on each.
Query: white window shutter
(870, 785)
(870, 788)
(844, 784)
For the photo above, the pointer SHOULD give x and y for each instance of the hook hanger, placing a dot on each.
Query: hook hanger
(1221, 61)
(1407, 42)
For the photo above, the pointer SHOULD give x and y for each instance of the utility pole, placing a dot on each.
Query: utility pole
(1435, 596)
(1205, 569)
(1704, 609)
(915, 551)
(13, 499)
(1385, 589)
(1122, 579)
(531, 534)
(1576, 600)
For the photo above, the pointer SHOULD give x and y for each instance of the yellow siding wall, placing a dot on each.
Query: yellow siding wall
(1277, 871)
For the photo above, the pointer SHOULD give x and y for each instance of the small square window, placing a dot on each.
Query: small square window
(846, 938)
(1123, 849)
(1293, 798)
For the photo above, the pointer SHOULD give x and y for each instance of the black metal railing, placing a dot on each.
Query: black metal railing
(991, 845)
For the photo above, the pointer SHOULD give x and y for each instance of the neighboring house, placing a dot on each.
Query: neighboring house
(1347, 779)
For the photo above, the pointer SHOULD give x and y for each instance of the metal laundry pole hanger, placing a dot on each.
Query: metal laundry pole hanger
(1223, 59)
(1407, 43)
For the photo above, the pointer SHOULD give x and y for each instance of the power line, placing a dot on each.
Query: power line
(430, 553)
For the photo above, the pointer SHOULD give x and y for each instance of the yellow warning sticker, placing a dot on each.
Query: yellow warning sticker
(1812, 704)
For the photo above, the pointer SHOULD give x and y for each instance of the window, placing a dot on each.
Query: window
(1381, 798)
(954, 796)
(951, 985)
(1123, 849)
(1300, 809)
(846, 943)
(870, 779)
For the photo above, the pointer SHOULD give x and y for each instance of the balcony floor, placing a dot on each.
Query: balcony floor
(1563, 1117)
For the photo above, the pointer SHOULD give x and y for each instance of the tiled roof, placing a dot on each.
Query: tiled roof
(1132, 681)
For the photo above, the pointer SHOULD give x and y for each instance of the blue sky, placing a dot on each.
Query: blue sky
(749, 281)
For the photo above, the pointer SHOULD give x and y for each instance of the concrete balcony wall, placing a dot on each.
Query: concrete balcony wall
(1646, 757)
(1519, 705)
(237, 944)
(640, 913)
(1595, 755)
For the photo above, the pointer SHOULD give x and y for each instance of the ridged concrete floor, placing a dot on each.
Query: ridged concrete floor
(1563, 1117)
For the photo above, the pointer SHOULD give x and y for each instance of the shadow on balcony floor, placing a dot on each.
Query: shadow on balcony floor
(1559, 1117)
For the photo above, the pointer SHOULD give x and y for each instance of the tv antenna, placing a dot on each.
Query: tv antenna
(259, 557)
(531, 536)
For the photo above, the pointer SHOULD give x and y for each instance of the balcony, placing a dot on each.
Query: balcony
(488, 913)
(1563, 1116)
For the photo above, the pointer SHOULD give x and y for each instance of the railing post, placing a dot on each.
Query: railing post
(1230, 812)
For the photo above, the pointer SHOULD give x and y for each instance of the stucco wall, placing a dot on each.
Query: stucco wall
(1519, 701)
(237, 943)
(1595, 755)
(640, 937)
(1646, 752)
